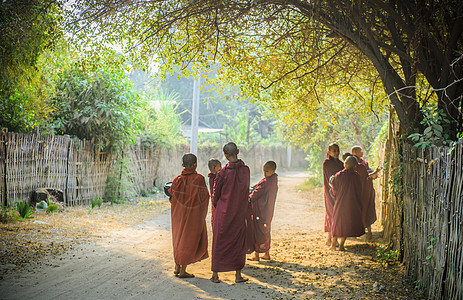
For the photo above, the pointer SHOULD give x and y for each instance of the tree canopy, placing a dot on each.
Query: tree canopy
(288, 53)
(28, 29)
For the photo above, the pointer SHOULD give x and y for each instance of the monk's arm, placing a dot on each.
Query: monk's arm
(334, 187)
(259, 189)
(217, 189)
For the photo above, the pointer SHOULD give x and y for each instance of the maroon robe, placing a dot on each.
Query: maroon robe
(363, 162)
(230, 198)
(211, 189)
(263, 204)
(189, 202)
(369, 195)
(347, 212)
(331, 166)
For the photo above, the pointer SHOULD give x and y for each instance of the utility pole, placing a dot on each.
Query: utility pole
(195, 116)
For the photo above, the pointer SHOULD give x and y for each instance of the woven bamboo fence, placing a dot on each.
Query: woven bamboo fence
(81, 170)
(433, 219)
(30, 161)
(422, 214)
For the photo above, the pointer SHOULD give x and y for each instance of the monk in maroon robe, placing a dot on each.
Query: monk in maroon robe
(189, 203)
(230, 199)
(369, 208)
(263, 205)
(346, 190)
(331, 166)
(214, 166)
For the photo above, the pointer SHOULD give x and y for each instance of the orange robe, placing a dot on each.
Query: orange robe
(263, 205)
(189, 203)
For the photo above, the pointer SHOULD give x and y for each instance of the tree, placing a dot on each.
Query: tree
(302, 44)
(28, 29)
(98, 106)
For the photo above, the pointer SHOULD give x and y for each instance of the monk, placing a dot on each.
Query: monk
(346, 190)
(331, 166)
(230, 199)
(189, 203)
(369, 209)
(214, 166)
(262, 201)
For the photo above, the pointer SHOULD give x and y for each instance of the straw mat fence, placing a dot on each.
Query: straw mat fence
(80, 170)
(425, 218)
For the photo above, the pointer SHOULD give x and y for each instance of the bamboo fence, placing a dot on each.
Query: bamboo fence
(80, 169)
(424, 220)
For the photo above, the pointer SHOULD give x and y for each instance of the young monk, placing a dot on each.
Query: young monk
(369, 209)
(230, 199)
(346, 190)
(263, 204)
(214, 166)
(331, 166)
(189, 203)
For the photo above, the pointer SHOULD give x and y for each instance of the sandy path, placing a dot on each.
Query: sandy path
(137, 263)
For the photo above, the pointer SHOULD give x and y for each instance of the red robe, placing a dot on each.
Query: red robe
(189, 203)
(230, 198)
(369, 195)
(211, 189)
(347, 212)
(263, 204)
(331, 166)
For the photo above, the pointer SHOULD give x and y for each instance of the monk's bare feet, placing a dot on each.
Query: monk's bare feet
(185, 275)
(241, 279)
(254, 258)
(332, 248)
(215, 278)
(176, 270)
(266, 256)
(328, 242)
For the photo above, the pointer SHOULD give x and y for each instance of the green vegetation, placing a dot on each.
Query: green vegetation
(8, 214)
(386, 256)
(98, 106)
(52, 208)
(97, 202)
(29, 28)
(25, 211)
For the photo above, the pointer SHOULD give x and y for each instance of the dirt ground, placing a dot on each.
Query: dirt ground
(125, 251)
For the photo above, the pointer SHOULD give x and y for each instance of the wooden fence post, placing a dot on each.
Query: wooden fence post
(4, 140)
(66, 192)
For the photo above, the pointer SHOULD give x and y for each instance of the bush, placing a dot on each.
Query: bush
(7, 214)
(99, 106)
(52, 208)
(144, 193)
(25, 210)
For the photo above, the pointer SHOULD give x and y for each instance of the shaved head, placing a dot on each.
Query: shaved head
(270, 165)
(355, 149)
(346, 155)
(333, 146)
(189, 160)
(350, 162)
(230, 150)
(212, 163)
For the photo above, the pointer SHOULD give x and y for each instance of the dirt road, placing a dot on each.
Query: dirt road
(137, 263)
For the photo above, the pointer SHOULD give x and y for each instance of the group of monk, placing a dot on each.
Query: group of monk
(240, 220)
(349, 196)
